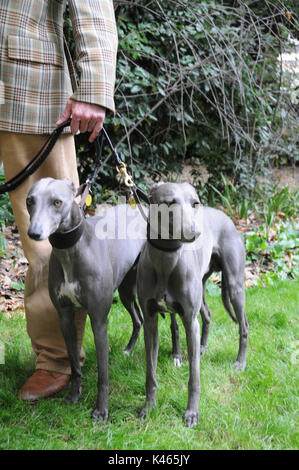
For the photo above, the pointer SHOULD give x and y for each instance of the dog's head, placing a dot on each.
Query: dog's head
(49, 203)
(174, 212)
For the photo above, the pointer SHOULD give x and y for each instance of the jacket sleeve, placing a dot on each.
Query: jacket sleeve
(95, 36)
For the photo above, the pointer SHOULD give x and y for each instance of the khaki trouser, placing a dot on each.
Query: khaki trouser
(16, 150)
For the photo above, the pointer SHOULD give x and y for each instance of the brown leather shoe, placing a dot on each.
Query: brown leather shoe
(43, 384)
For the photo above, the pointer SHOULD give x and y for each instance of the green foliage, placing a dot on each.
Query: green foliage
(273, 202)
(281, 251)
(267, 202)
(201, 80)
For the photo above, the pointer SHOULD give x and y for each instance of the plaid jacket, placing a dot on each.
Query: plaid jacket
(34, 77)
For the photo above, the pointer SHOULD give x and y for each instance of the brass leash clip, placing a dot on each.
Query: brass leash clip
(124, 176)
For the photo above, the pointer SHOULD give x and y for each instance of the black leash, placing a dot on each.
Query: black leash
(36, 161)
(84, 189)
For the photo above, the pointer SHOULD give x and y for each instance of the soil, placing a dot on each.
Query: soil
(13, 268)
(286, 176)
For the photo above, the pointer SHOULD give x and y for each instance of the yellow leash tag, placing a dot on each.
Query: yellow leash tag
(132, 203)
(88, 200)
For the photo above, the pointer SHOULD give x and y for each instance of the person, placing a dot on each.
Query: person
(37, 95)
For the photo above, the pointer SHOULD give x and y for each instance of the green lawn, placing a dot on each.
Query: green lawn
(254, 409)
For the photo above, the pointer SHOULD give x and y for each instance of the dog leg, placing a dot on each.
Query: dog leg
(233, 289)
(237, 297)
(193, 343)
(68, 328)
(151, 339)
(206, 319)
(176, 351)
(127, 295)
(99, 323)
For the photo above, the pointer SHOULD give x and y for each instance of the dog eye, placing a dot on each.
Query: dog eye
(196, 205)
(57, 203)
(29, 201)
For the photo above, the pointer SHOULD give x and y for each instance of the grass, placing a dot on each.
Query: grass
(254, 409)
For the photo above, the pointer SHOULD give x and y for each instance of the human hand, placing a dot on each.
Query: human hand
(85, 117)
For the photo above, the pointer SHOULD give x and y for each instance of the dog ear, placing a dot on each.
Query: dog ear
(188, 185)
(71, 185)
(153, 189)
(156, 185)
(191, 188)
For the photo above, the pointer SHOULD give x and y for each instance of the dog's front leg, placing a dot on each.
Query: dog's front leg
(151, 340)
(99, 323)
(193, 343)
(69, 331)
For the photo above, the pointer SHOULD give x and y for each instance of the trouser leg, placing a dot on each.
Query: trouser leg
(16, 150)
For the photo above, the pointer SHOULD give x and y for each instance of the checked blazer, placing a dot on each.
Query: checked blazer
(34, 76)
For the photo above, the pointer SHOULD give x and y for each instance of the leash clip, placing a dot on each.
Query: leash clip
(124, 175)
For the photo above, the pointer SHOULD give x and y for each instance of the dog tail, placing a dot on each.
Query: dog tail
(226, 299)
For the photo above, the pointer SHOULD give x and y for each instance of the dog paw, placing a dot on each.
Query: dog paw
(239, 366)
(146, 410)
(191, 418)
(202, 350)
(177, 360)
(143, 413)
(98, 415)
(72, 399)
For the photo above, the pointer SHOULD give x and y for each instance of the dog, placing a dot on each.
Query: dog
(87, 264)
(185, 244)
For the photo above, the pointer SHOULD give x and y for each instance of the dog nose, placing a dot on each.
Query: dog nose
(34, 234)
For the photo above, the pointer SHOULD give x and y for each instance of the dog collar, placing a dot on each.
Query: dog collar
(63, 240)
(165, 245)
(162, 244)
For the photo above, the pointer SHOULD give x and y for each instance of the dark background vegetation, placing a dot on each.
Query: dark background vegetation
(201, 81)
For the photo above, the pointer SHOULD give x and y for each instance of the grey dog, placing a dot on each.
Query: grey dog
(87, 264)
(173, 270)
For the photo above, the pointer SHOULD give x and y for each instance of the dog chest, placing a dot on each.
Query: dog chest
(71, 291)
(70, 287)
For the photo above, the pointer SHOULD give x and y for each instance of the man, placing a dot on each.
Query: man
(37, 92)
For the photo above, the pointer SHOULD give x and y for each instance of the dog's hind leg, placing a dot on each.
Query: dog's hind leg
(127, 295)
(233, 288)
(226, 298)
(205, 317)
(237, 297)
